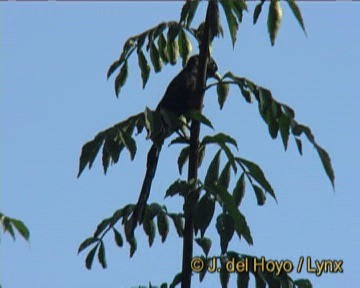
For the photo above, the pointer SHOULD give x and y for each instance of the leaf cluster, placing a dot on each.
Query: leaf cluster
(11, 225)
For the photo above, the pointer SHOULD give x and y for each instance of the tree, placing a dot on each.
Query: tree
(200, 196)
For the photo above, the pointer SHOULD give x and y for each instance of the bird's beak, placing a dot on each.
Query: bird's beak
(217, 76)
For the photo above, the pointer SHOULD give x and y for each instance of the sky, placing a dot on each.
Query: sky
(55, 97)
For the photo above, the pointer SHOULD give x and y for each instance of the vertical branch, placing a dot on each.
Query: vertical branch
(194, 153)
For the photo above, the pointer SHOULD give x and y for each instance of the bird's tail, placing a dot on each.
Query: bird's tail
(151, 164)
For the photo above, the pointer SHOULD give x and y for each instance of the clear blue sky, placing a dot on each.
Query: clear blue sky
(55, 97)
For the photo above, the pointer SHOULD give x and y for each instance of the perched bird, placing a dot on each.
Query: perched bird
(178, 99)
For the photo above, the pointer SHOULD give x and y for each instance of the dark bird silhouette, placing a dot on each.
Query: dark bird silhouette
(178, 99)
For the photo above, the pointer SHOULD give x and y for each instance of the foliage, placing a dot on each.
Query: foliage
(9, 224)
(164, 44)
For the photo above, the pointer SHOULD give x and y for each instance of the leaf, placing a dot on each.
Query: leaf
(129, 143)
(326, 161)
(21, 228)
(284, 125)
(185, 46)
(183, 158)
(144, 67)
(197, 116)
(212, 174)
(172, 45)
(149, 228)
(176, 280)
(243, 280)
(274, 19)
(239, 190)
(155, 58)
(220, 138)
(101, 255)
(178, 187)
(86, 243)
(162, 48)
(260, 195)
(90, 257)
(240, 224)
(224, 277)
(205, 244)
(118, 238)
(232, 22)
(224, 178)
(112, 68)
(256, 172)
(102, 226)
(225, 228)
(133, 246)
(163, 226)
(297, 13)
(215, 28)
(222, 92)
(178, 223)
(257, 11)
(299, 145)
(89, 152)
(203, 214)
(121, 78)
(303, 283)
(6, 223)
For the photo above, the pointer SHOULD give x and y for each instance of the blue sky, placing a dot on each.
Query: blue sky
(55, 97)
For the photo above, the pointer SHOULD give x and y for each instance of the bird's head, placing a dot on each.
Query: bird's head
(212, 67)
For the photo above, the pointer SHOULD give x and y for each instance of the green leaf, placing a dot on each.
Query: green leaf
(89, 152)
(144, 67)
(149, 228)
(239, 190)
(297, 13)
(225, 228)
(183, 158)
(274, 19)
(185, 46)
(102, 226)
(176, 280)
(90, 257)
(162, 48)
(188, 12)
(155, 58)
(212, 174)
(101, 255)
(129, 143)
(303, 283)
(21, 228)
(203, 214)
(224, 179)
(241, 226)
(133, 246)
(222, 92)
(257, 11)
(178, 223)
(118, 238)
(256, 172)
(86, 243)
(224, 275)
(260, 195)
(202, 273)
(202, 149)
(159, 29)
(121, 78)
(284, 125)
(172, 46)
(205, 244)
(215, 28)
(112, 68)
(178, 187)
(6, 223)
(163, 226)
(299, 145)
(197, 116)
(326, 161)
(232, 22)
(243, 280)
(141, 40)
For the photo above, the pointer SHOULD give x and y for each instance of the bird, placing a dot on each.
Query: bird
(179, 100)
